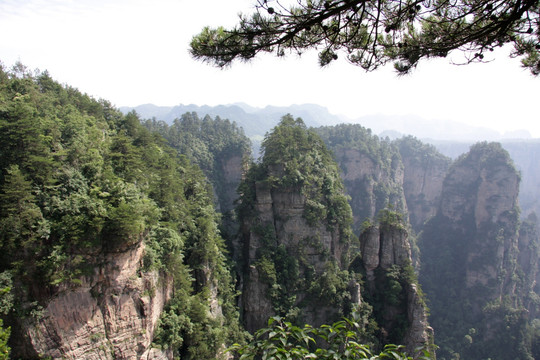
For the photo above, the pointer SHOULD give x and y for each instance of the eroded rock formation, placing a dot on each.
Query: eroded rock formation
(470, 251)
(111, 315)
(399, 306)
(280, 220)
(371, 184)
(424, 171)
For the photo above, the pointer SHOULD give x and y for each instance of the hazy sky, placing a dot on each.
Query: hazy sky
(133, 52)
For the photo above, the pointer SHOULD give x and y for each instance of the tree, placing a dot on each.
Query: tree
(374, 32)
(21, 222)
(283, 340)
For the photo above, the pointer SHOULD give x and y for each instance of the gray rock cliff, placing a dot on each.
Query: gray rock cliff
(386, 257)
(470, 265)
(111, 315)
(424, 171)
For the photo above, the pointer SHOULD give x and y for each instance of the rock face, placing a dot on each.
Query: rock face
(111, 315)
(526, 155)
(400, 308)
(383, 248)
(424, 171)
(372, 185)
(469, 264)
(280, 216)
(231, 170)
(296, 234)
(528, 262)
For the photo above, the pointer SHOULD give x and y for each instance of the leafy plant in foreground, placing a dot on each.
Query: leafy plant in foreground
(339, 341)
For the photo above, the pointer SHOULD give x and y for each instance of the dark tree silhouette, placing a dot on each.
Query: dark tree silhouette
(372, 33)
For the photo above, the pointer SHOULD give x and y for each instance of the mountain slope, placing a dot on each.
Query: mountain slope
(108, 237)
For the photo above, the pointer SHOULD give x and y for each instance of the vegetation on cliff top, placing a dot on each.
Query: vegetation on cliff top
(78, 178)
(207, 142)
(295, 157)
(376, 185)
(296, 161)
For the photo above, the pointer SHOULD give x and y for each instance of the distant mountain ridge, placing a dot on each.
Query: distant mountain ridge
(257, 121)
(451, 138)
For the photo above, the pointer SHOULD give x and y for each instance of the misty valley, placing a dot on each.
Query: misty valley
(238, 233)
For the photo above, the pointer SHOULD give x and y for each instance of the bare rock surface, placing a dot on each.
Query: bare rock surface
(371, 186)
(384, 247)
(112, 315)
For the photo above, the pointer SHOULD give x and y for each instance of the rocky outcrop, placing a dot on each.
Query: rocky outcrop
(384, 247)
(525, 154)
(400, 306)
(372, 185)
(424, 171)
(371, 170)
(111, 315)
(419, 334)
(230, 171)
(469, 264)
(296, 233)
(280, 217)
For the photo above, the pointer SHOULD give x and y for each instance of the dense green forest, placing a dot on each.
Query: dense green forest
(78, 179)
(207, 142)
(221, 150)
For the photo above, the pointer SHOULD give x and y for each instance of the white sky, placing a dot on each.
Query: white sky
(133, 52)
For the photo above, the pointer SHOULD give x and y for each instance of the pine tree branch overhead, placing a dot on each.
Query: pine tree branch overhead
(371, 33)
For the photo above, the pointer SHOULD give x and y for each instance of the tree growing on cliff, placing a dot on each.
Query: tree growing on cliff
(372, 33)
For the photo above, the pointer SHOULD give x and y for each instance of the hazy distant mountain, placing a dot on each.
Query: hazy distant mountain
(434, 128)
(255, 121)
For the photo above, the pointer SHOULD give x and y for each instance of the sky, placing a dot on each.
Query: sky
(134, 52)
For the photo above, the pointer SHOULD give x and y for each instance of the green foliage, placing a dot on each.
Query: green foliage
(388, 218)
(4, 336)
(6, 305)
(390, 295)
(420, 153)
(22, 224)
(371, 33)
(355, 136)
(301, 161)
(486, 155)
(331, 285)
(163, 250)
(207, 142)
(377, 184)
(78, 179)
(341, 340)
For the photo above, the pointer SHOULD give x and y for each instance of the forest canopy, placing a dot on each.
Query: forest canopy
(374, 32)
(78, 179)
